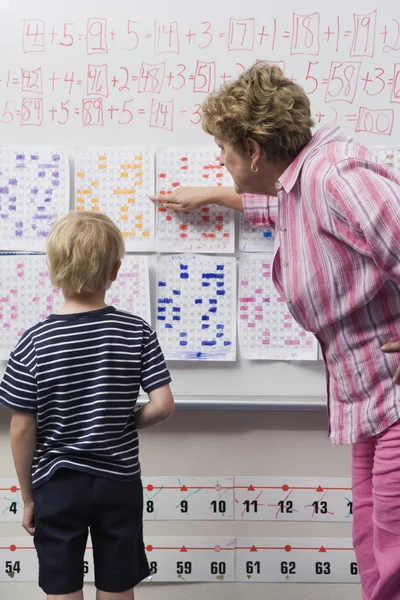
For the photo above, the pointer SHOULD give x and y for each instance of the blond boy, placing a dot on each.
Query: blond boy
(72, 382)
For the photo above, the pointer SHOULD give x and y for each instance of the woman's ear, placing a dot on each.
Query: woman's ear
(254, 149)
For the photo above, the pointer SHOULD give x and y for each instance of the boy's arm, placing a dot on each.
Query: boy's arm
(159, 408)
(18, 391)
(23, 446)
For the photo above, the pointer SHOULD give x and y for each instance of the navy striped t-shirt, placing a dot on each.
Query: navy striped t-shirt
(81, 374)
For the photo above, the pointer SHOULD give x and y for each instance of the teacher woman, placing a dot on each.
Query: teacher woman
(336, 214)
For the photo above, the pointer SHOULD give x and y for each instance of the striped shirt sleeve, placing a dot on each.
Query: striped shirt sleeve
(260, 211)
(154, 370)
(18, 390)
(366, 211)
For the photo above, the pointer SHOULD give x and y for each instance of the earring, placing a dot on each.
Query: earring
(254, 168)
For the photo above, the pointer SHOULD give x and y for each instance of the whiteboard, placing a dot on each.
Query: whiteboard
(101, 73)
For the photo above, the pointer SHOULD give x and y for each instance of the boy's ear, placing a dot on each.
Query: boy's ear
(114, 272)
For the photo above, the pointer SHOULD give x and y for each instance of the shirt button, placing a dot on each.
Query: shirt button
(278, 185)
(285, 264)
(287, 300)
(282, 228)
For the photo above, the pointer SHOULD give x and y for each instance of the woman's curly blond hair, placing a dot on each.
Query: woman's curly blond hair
(263, 105)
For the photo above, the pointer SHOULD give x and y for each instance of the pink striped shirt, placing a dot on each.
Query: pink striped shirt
(337, 264)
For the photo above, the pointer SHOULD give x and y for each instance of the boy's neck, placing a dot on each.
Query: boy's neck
(82, 303)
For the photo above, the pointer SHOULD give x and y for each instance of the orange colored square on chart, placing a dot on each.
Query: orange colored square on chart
(139, 226)
(80, 208)
(124, 217)
(95, 200)
(103, 157)
(95, 183)
(128, 234)
(80, 174)
(95, 209)
(226, 235)
(145, 233)
(131, 200)
(124, 209)
(139, 157)
(139, 217)
(124, 174)
(80, 200)
(139, 174)
(102, 166)
(138, 182)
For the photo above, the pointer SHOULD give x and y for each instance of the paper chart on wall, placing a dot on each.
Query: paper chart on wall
(34, 193)
(267, 330)
(208, 230)
(131, 291)
(196, 307)
(388, 156)
(27, 295)
(254, 239)
(118, 182)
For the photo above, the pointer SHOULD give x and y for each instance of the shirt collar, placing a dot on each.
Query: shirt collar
(321, 137)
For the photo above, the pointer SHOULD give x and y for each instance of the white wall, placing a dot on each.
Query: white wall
(226, 443)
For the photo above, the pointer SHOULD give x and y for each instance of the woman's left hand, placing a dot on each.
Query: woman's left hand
(393, 347)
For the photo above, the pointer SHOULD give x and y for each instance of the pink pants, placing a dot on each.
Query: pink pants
(376, 514)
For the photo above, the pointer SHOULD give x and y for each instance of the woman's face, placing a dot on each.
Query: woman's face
(238, 165)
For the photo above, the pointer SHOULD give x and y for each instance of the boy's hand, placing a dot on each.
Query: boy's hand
(28, 520)
(393, 347)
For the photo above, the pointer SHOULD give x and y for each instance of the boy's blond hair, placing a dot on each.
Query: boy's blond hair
(264, 105)
(82, 250)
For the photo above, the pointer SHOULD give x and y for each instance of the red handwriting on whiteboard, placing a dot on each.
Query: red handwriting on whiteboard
(379, 122)
(364, 35)
(32, 112)
(395, 38)
(151, 77)
(241, 34)
(204, 77)
(126, 116)
(374, 83)
(395, 95)
(33, 35)
(60, 115)
(68, 39)
(343, 81)
(7, 117)
(333, 33)
(97, 81)
(162, 114)
(32, 81)
(132, 36)
(166, 37)
(96, 36)
(305, 34)
(196, 115)
(178, 80)
(92, 112)
(311, 79)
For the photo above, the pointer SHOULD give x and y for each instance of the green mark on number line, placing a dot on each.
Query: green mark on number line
(187, 497)
(220, 577)
(11, 574)
(248, 576)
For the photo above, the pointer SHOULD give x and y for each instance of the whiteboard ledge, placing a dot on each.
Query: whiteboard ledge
(254, 402)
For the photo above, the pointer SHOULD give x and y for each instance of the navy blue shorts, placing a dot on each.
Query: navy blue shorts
(66, 508)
